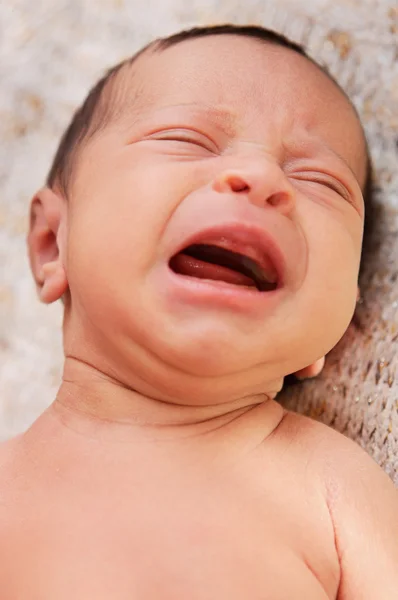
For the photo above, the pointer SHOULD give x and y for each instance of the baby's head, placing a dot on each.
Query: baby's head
(203, 217)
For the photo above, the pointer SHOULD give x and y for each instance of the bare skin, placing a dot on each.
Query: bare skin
(221, 514)
(165, 468)
(254, 504)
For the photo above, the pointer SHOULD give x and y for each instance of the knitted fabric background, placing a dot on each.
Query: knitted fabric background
(52, 52)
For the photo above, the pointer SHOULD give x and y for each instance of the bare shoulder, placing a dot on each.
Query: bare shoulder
(345, 471)
(363, 506)
(9, 511)
(9, 451)
(10, 475)
(317, 443)
(14, 503)
(332, 452)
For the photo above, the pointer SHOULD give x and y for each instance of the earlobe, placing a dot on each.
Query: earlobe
(54, 283)
(45, 243)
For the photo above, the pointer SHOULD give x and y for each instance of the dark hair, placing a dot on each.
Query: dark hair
(95, 112)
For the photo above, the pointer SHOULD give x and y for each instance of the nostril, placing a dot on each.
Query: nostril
(274, 200)
(237, 184)
(231, 182)
(279, 199)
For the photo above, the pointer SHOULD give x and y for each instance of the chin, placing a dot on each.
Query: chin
(206, 358)
(210, 350)
(206, 364)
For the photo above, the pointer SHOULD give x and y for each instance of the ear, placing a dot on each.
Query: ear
(312, 370)
(46, 239)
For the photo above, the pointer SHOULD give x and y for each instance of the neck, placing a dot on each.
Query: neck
(89, 400)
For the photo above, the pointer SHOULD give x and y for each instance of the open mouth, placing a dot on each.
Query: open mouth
(212, 262)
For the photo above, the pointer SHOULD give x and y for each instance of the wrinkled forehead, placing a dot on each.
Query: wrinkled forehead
(260, 84)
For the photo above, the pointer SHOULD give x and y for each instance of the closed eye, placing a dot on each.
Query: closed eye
(327, 182)
(333, 185)
(184, 136)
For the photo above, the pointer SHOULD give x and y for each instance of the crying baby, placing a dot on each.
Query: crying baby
(202, 223)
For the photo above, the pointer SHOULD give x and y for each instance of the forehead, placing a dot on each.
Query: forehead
(261, 86)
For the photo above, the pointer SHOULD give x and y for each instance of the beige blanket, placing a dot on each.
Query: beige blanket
(51, 52)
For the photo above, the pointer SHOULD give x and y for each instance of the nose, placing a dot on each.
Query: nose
(262, 182)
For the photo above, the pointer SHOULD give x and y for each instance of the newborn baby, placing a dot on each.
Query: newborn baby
(202, 223)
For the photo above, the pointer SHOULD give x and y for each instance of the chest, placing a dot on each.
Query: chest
(169, 541)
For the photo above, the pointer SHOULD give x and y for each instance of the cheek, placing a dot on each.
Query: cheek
(330, 289)
(333, 231)
(120, 209)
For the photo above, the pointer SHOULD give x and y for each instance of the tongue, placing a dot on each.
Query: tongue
(194, 267)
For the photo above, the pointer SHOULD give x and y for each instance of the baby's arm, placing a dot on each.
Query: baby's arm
(363, 504)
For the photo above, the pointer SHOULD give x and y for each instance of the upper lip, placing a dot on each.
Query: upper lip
(245, 239)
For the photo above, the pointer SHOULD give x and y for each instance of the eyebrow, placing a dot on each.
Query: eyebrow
(342, 160)
(225, 118)
(315, 144)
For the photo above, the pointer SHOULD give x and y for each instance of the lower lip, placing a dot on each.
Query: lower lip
(207, 292)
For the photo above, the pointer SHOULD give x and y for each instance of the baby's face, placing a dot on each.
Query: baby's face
(232, 143)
